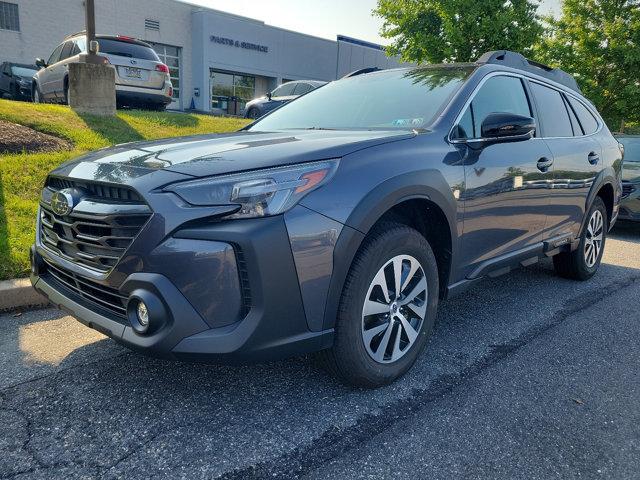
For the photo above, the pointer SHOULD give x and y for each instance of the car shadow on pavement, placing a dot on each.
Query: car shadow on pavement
(627, 231)
(113, 129)
(104, 407)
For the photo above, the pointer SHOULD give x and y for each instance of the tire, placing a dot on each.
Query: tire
(157, 107)
(583, 262)
(65, 98)
(253, 113)
(358, 334)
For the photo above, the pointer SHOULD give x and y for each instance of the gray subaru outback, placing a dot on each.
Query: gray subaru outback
(337, 223)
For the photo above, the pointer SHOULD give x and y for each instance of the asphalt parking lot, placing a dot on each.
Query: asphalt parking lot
(527, 376)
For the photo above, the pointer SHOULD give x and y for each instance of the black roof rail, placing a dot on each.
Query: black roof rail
(520, 62)
(362, 71)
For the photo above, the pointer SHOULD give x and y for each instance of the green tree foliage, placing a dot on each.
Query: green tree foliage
(438, 31)
(598, 41)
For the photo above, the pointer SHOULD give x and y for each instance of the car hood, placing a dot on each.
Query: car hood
(207, 155)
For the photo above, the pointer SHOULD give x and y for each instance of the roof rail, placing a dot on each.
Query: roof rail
(520, 62)
(81, 32)
(362, 71)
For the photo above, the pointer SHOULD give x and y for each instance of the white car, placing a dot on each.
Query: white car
(142, 80)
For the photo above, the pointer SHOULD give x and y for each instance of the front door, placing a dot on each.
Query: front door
(506, 187)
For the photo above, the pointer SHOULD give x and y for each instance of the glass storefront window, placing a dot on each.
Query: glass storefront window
(225, 85)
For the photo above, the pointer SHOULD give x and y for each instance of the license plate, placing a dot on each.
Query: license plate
(133, 72)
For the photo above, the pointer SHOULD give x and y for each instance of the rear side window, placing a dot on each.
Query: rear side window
(127, 49)
(499, 94)
(552, 111)
(587, 120)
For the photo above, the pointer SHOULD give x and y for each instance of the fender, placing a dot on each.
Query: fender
(606, 176)
(427, 184)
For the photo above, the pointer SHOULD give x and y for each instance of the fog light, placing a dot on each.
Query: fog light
(143, 314)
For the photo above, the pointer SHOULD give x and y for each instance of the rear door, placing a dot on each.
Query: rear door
(506, 194)
(135, 64)
(576, 158)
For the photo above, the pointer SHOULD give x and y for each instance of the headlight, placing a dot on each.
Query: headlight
(260, 193)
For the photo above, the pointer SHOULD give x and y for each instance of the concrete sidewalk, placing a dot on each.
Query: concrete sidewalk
(17, 294)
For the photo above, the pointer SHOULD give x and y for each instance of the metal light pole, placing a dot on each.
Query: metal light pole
(92, 44)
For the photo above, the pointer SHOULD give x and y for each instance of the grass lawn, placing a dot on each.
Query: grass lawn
(22, 175)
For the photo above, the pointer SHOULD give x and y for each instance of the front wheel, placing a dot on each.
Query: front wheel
(387, 309)
(583, 262)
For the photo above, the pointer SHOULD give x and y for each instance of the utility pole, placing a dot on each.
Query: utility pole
(92, 45)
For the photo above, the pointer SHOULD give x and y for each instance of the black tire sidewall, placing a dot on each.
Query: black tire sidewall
(585, 270)
(349, 346)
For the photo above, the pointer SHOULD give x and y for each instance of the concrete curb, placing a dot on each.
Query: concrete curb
(19, 293)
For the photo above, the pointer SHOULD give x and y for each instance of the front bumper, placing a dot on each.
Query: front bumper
(216, 306)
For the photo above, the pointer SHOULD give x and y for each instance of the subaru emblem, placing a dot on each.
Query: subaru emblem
(62, 202)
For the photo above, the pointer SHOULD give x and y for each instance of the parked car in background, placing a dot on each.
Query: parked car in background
(16, 80)
(281, 95)
(142, 80)
(630, 205)
(336, 223)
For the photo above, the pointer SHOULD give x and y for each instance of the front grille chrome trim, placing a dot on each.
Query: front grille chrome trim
(98, 231)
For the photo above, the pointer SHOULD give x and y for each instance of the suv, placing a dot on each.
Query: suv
(142, 80)
(281, 95)
(15, 80)
(337, 222)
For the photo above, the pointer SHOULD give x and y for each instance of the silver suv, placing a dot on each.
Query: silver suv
(142, 80)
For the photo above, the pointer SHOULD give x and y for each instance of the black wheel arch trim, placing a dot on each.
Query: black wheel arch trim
(425, 185)
(606, 177)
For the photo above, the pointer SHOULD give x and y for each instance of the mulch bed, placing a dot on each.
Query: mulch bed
(18, 138)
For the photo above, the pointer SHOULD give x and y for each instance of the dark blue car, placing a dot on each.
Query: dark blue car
(281, 95)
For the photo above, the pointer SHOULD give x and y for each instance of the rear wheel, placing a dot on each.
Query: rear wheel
(156, 107)
(253, 113)
(583, 262)
(387, 309)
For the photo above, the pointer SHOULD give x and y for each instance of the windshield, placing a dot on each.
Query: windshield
(127, 49)
(24, 71)
(391, 99)
(631, 148)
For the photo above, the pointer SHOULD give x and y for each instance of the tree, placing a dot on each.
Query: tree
(438, 31)
(598, 42)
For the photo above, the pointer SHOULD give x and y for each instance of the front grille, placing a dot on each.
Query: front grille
(95, 190)
(627, 189)
(99, 229)
(97, 294)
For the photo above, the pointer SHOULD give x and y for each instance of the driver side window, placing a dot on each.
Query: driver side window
(500, 94)
(55, 56)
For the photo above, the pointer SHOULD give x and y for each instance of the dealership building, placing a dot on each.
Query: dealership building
(213, 56)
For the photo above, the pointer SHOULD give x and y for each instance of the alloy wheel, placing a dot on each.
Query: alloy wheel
(593, 240)
(394, 309)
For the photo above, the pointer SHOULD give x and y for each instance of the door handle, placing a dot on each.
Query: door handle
(544, 164)
(593, 158)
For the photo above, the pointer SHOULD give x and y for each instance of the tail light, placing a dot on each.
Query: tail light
(162, 68)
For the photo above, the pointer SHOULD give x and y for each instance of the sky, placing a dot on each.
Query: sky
(326, 18)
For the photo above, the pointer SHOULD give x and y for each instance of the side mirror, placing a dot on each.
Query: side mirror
(41, 63)
(507, 127)
(269, 95)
